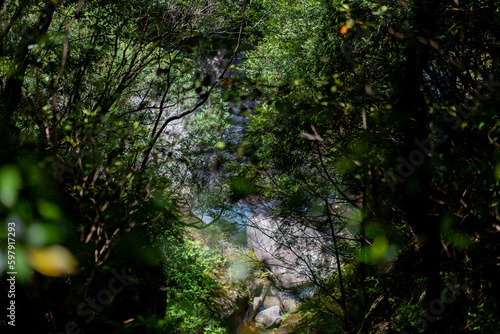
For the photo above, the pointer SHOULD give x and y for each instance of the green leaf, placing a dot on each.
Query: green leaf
(10, 184)
(49, 210)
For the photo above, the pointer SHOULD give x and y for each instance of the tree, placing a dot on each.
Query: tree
(89, 90)
(370, 110)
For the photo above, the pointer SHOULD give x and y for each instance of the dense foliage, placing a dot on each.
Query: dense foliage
(372, 122)
(388, 111)
(93, 94)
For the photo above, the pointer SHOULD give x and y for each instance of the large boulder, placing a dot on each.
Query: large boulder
(288, 250)
(269, 317)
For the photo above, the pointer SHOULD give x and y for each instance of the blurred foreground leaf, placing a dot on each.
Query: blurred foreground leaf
(10, 183)
(52, 261)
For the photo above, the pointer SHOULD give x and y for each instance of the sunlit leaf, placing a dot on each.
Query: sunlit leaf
(52, 261)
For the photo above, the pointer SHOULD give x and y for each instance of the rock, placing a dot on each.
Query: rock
(271, 301)
(290, 304)
(269, 316)
(288, 324)
(232, 302)
(257, 301)
(261, 289)
(253, 309)
(260, 326)
(285, 248)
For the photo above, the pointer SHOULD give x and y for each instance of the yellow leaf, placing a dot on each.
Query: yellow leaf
(52, 261)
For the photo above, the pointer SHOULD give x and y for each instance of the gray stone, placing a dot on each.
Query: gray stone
(260, 326)
(257, 301)
(254, 309)
(271, 301)
(285, 248)
(269, 316)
